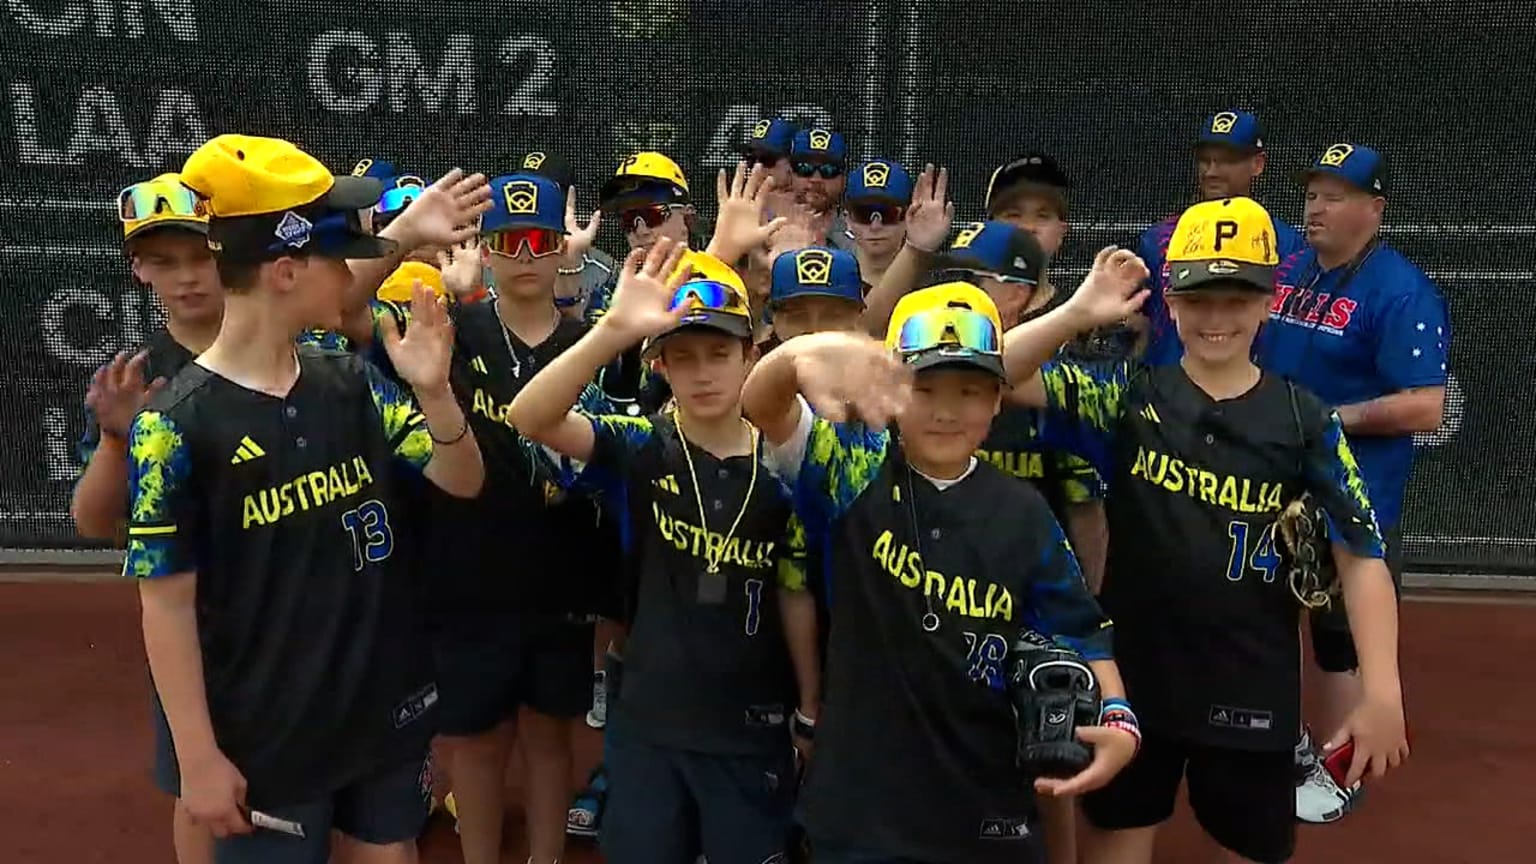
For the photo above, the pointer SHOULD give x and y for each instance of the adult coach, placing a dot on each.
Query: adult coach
(1355, 322)
(1230, 156)
(278, 619)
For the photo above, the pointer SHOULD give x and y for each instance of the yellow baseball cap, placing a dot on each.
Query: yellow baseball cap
(646, 171)
(715, 296)
(1227, 243)
(266, 198)
(398, 285)
(160, 203)
(952, 324)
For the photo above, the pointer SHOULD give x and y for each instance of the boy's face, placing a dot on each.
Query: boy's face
(311, 290)
(180, 269)
(1217, 326)
(950, 414)
(1038, 214)
(798, 316)
(877, 238)
(705, 369)
(642, 236)
(1226, 172)
(1013, 299)
(522, 276)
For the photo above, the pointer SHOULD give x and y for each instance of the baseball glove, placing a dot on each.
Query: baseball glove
(1304, 532)
(1053, 693)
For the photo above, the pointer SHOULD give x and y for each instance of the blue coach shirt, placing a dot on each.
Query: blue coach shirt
(1163, 344)
(1355, 333)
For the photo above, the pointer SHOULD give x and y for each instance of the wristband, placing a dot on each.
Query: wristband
(917, 248)
(479, 295)
(571, 271)
(802, 726)
(1129, 728)
(568, 302)
(463, 430)
(1115, 704)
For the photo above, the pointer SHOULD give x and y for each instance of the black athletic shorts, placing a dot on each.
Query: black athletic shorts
(1332, 645)
(487, 671)
(1245, 800)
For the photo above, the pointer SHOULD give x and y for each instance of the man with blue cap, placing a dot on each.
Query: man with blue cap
(818, 158)
(1357, 323)
(875, 207)
(1229, 156)
(768, 146)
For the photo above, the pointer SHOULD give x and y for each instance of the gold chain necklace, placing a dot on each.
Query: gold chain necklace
(713, 566)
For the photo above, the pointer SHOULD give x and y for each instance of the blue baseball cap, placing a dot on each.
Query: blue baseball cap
(524, 200)
(995, 247)
(378, 169)
(1358, 164)
(879, 180)
(1236, 129)
(816, 271)
(770, 138)
(819, 145)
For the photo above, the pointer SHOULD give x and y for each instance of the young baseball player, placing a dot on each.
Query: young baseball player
(915, 751)
(698, 741)
(278, 623)
(165, 237)
(813, 290)
(1201, 457)
(875, 205)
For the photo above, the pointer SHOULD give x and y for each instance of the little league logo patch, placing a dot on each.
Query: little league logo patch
(294, 230)
(521, 196)
(876, 175)
(361, 168)
(761, 129)
(1222, 123)
(967, 234)
(813, 267)
(1335, 156)
(534, 161)
(821, 139)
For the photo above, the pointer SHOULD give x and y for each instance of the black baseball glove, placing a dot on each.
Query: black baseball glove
(1053, 693)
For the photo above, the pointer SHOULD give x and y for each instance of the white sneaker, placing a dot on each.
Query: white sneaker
(1320, 800)
(597, 716)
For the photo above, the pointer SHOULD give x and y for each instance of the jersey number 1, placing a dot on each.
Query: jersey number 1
(1264, 558)
(368, 527)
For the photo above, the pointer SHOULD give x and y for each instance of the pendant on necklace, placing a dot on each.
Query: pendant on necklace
(930, 622)
(712, 585)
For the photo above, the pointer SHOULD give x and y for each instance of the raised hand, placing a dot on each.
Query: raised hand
(642, 302)
(421, 356)
(1113, 289)
(117, 393)
(847, 376)
(578, 239)
(931, 213)
(739, 224)
(446, 213)
(461, 266)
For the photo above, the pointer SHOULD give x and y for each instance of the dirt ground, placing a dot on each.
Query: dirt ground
(75, 741)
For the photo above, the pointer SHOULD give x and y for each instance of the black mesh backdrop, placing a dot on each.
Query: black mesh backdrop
(103, 92)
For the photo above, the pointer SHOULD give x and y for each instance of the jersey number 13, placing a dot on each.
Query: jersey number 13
(368, 528)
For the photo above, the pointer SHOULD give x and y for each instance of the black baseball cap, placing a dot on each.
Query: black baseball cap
(545, 164)
(1041, 169)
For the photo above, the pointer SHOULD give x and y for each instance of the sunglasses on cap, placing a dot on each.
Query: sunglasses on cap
(827, 170)
(954, 325)
(145, 200)
(960, 275)
(541, 242)
(865, 214)
(707, 294)
(649, 215)
(397, 199)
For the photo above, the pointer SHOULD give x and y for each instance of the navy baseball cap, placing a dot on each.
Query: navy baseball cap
(816, 271)
(1358, 164)
(1236, 129)
(522, 201)
(378, 169)
(770, 138)
(995, 247)
(546, 164)
(819, 145)
(879, 180)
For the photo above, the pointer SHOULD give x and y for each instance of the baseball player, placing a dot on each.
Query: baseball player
(1355, 322)
(1201, 457)
(927, 598)
(699, 754)
(1229, 157)
(814, 290)
(1030, 193)
(768, 148)
(165, 238)
(278, 623)
(875, 207)
(818, 158)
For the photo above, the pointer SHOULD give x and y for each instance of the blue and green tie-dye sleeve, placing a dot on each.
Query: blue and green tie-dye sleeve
(159, 464)
(841, 460)
(404, 427)
(615, 441)
(1082, 405)
(1060, 605)
(601, 298)
(1080, 484)
(1333, 478)
(792, 572)
(330, 340)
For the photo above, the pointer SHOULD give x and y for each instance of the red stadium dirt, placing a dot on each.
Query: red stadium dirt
(75, 741)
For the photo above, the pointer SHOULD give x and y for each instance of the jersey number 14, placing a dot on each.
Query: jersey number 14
(1264, 558)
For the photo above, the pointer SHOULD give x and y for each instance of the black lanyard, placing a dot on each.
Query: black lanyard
(1315, 271)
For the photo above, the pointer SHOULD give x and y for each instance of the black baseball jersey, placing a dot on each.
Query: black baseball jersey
(1013, 446)
(525, 543)
(706, 667)
(164, 357)
(929, 589)
(314, 671)
(1206, 625)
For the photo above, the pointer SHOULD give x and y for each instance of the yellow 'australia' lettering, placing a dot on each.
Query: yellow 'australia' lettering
(305, 492)
(971, 598)
(1238, 494)
(1027, 466)
(486, 407)
(712, 545)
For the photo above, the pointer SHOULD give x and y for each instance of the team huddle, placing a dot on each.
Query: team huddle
(862, 539)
